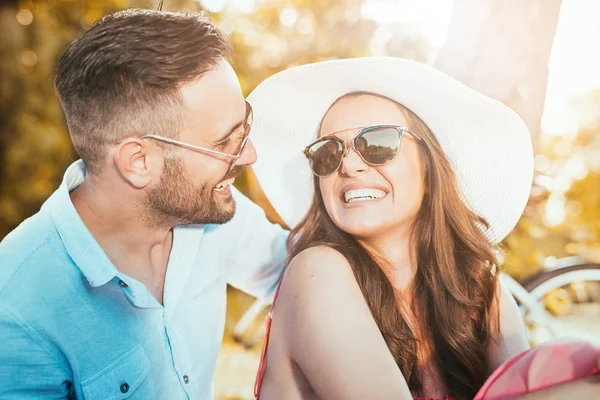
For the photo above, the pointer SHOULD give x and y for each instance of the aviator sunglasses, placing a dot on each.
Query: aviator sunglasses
(376, 145)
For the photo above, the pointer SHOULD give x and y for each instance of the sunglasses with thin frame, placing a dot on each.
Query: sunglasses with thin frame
(376, 145)
(242, 140)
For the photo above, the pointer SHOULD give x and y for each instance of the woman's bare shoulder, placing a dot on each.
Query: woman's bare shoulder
(318, 267)
(316, 255)
(318, 279)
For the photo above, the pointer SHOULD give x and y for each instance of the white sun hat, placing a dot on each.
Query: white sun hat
(486, 142)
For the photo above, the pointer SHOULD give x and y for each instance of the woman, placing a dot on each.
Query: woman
(392, 290)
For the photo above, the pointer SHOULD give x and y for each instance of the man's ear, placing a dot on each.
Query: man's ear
(136, 160)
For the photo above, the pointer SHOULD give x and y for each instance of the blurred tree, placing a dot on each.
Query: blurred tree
(562, 218)
(9, 89)
(35, 146)
(501, 49)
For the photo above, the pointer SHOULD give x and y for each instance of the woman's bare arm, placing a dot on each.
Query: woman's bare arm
(510, 338)
(330, 332)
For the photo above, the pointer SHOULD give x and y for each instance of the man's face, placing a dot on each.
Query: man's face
(194, 187)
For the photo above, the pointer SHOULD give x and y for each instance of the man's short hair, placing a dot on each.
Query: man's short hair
(122, 77)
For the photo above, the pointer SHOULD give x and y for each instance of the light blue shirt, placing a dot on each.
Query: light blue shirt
(73, 326)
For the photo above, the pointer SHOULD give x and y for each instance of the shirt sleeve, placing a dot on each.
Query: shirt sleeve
(28, 368)
(257, 251)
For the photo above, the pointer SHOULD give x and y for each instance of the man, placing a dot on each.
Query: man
(117, 287)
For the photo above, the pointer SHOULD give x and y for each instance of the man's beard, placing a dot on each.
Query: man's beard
(178, 201)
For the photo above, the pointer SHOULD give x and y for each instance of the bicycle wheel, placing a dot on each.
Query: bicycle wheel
(545, 282)
(550, 290)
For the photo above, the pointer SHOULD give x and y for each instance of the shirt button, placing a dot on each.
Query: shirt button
(123, 284)
(125, 388)
(186, 379)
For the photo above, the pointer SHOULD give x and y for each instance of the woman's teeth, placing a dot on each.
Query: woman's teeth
(224, 184)
(363, 194)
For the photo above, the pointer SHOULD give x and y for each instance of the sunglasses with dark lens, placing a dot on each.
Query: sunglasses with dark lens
(376, 145)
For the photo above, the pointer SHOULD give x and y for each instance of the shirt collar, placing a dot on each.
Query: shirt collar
(78, 241)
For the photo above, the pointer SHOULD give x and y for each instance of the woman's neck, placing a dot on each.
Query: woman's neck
(394, 256)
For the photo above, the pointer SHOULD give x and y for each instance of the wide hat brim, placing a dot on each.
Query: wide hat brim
(487, 143)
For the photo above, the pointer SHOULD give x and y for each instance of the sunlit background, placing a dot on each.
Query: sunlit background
(539, 57)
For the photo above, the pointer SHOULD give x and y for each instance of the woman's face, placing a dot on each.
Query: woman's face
(399, 182)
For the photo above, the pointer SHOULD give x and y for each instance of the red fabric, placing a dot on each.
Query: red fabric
(541, 367)
(431, 398)
(263, 356)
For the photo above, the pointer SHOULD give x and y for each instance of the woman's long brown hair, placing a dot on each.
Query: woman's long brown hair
(455, 278)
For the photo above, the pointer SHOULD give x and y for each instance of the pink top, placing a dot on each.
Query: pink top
(541, 367)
